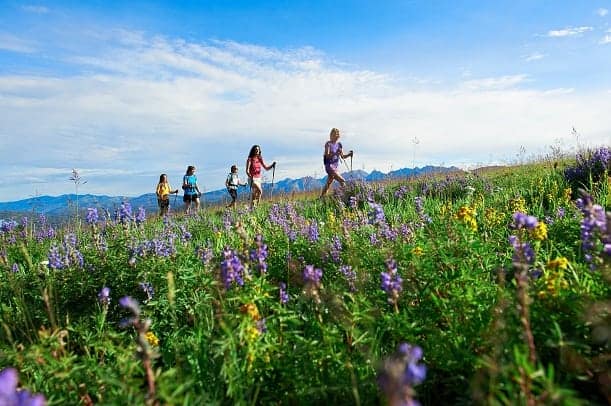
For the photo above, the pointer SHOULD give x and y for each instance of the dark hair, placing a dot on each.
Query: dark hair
(161, 177)
(252, 152)
(190, 169)
(234, 167)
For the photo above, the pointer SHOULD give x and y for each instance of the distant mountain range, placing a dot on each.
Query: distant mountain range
(61, 207)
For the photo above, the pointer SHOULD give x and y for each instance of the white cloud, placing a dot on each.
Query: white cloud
(535, 56)
(150, 105)
(35, 9)
(569, 32)
(605, 40)
(602, 12)
(495, 83)
(12, 43)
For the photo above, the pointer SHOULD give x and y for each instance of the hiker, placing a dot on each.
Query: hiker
(254, 163)
(164, 190)
(232, 182)
(191, 190)
(333, 151)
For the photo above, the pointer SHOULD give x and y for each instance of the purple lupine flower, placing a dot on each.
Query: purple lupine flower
(104, 296)
(523, 251)
(560, 212)
(15, 268)
(353, 202)
(376, 215)
(232, 270)
(55, 258)
(419, 206)
(148, 289)
(350, 276)
(313, 232)
(284, 296)
(258, 255)
(594, 229)
(521, 220)
(130, 304)
(205, 254)
(124, 213)
(336, 248)
(6, 226)
(141, 215)
(11, 396)
(186, 235)
(92, 215)
(312, 275)
(373, 239)
(400, 373)
(391, 282)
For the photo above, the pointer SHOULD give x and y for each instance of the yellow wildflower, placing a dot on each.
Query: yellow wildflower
(152, 339)
(492, 218)
(252, 333)
(251, 310)
(539, 232)
(417, 251)
(558, 263)
(466, 214)
(567, 194)
(517, 204)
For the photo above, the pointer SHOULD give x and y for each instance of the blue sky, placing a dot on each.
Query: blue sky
(123, 91)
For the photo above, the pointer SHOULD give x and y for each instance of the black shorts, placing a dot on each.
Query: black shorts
(163, 204)
(190, 198)
(233, 193)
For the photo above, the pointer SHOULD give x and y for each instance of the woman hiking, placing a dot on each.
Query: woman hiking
(254, 163)
(163, 191)
(191, 190)
(333, 152)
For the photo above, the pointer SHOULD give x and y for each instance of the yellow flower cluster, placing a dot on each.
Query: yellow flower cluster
(554, 277)
(492, 218)
(517, 204)
(417, 251)
(466, 214)
(558, 263)
(445, 209)
(539, 232)
(152, 339)
(251, 310)
(252, 333)
(567, 194)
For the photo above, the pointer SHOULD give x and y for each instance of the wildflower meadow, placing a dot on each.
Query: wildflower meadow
(486, 287)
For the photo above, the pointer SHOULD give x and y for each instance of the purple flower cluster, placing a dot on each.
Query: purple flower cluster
(287, 218)
(104, 296)
(7, 226)
(148, 289)
(376, 215)
(595, 230)
(350, 276)
(284, 295)
(313, 233)
(312, 276)
(335, 250)
(419, 206)
(205, 254)
(10, 395)
(65, 255)
(141, 215)
(44, 230)
(232, 270)
(155, 247)
(258, 255)
(123, 214)
(523, 252)
(523, 221)
(391, 282)
(400, 373)
(92, 216)
(589, 166)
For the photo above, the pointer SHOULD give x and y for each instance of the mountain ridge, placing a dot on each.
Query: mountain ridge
(63, 205)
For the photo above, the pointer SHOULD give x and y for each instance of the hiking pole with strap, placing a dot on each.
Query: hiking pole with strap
(271, 192)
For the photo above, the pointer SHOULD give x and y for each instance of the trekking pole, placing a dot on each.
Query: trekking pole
(271, 192)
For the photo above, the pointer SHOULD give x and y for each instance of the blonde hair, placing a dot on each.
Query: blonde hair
(334, 131)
